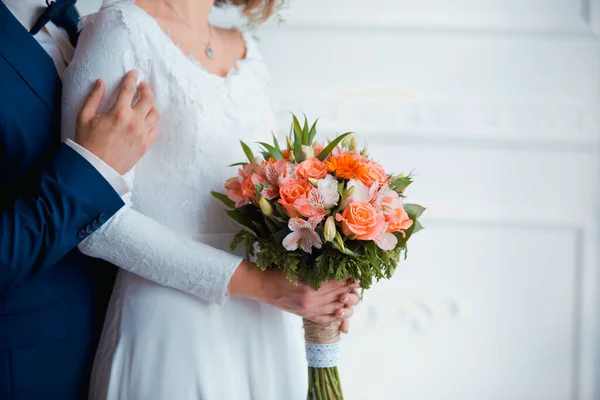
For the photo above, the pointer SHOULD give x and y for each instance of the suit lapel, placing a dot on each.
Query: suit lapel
(19, 48)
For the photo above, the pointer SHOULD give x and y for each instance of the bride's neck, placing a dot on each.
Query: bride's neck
(194, 12)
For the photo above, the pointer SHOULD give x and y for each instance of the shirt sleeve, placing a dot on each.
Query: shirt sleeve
(115, 179)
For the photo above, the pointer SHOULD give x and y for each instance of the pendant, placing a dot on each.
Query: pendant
(209, 52)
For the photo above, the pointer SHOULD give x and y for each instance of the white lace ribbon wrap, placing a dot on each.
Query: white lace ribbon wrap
(322, 355)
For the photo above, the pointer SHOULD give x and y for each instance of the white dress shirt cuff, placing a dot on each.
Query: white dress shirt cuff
(112, 177)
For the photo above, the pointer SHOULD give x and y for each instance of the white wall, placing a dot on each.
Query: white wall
(495, 105)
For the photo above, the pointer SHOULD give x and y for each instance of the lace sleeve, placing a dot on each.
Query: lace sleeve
(109, 46)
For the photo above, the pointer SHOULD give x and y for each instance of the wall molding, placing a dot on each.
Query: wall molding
(428, 123)
(428, 311)
(517, 16)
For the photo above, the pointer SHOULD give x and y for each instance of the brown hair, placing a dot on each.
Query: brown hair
(257, 10)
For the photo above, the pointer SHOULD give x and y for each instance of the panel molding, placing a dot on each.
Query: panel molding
(523, 16)
(576, 233)
(515, 127)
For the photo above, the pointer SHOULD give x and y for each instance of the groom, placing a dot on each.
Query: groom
(52, 298)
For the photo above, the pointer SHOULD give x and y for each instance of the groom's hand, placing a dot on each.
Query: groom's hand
(122, 135)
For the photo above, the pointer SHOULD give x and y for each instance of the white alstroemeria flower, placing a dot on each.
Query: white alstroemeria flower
(328, 187)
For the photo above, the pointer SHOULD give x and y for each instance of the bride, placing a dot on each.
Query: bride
(188, 319)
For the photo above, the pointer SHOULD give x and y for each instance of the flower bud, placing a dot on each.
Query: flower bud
(339, 240)
(290, 145)
(363, 152)
(346, 141)
(330, 230)
(307, 152)
(348, 192)
(313, 182)
(265, 207)
(353, 144)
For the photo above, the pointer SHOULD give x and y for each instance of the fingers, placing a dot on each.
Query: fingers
(345, 326)
(153, 117)
(145, 104)
(330, 297)
(350, 299)
(92, 103)
(345, 312)
(330, 308)
(332, 286)
(127, 91)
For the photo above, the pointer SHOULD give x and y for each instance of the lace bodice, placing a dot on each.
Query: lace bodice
(170, 211)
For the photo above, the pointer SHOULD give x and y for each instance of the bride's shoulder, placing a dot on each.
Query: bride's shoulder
(114, 20)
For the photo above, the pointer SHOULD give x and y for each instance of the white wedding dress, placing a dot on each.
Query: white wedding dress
(171, 331)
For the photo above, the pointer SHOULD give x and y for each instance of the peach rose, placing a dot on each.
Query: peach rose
(312, 168)
(360, 219)
(372, 173)
(292, 191)
(398, 221)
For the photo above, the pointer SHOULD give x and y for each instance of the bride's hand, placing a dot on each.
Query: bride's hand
(332, 301)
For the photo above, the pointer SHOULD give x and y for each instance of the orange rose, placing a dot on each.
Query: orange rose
(372, 173)
(312, 168)
(360, 219)
(292, 191)
(398, 221)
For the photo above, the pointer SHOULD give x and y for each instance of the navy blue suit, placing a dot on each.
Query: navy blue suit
(52, 297)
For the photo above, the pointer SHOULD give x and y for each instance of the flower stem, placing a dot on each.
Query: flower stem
(324, 384)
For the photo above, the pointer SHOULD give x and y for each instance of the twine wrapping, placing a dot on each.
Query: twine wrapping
(322, 343)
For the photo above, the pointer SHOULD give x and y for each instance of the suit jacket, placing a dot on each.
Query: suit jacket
(52, 297)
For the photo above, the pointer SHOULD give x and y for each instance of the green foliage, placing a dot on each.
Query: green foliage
(400, 183)
(272, 151)
(224, 199)
(324, 265)
(247, 151)
(313, 132)
(327, 150)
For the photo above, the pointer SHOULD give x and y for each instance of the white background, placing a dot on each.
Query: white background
(495, 105)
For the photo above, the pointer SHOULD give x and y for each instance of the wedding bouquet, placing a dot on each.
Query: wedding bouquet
(320, 212)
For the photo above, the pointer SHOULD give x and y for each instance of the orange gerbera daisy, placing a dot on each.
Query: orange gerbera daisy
(347, 165)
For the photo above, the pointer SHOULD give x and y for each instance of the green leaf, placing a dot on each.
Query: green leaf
(258, 189)
(242, 219)
(280, 209)
(298, 139)
(239, 164)
(418, 227)
(400, 183)
(344, 250)
(275, 142)
(414, 211)
(312, 133)
(341, 188)
(224, 199)
(305, 132)
(248, 151)
(274, 152)
(327, 150)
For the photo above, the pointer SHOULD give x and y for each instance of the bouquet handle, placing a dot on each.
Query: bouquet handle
(322, 354)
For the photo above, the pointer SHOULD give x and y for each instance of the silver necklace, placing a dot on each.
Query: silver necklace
(207, 48)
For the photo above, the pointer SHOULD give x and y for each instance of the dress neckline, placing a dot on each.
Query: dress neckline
(233, 71)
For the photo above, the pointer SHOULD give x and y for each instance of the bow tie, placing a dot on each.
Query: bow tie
(53, 13)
